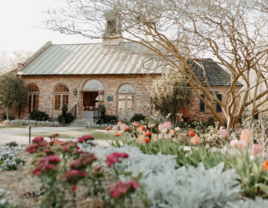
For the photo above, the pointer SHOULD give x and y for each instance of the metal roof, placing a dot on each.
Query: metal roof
(92, 58)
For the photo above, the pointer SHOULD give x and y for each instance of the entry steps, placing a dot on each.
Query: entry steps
(82, 122)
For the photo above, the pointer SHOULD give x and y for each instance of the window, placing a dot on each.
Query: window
(33, 97)
(126, 101)
(202, 107)
(61, 97)
(218, 107)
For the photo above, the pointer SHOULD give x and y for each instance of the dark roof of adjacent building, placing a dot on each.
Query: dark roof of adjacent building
(216, 75)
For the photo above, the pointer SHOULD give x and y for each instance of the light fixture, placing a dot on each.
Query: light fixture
(75, 92)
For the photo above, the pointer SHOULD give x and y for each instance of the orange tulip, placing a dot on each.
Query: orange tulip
(140, 139)
(245, 135)
(172, 131)
(117, 135)
(195, 140)
(265, 165)
(119, 123)
(136, 124)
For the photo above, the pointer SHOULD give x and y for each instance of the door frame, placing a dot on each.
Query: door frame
(61, 100)
(80, 101)
(126, 94)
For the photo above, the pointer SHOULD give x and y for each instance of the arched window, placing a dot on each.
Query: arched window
(93, 85)
(126, 101)
(61, 97)
(33, 97)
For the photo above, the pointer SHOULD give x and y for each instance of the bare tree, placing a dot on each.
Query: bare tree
(170, 93)
(9, 61)
(229, 30)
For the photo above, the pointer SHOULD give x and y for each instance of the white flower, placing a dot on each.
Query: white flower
(177, 128)
(164, 131)
(234, 143)
(252, 157)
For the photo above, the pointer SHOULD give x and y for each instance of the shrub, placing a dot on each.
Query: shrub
(69, 118)
(4, 117)
(137, 117)
(39, 115)
(110, 119)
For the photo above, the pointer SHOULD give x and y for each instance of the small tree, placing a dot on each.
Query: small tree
(170, 94)
(13, 93)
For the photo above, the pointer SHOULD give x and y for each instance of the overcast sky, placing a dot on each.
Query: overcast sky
(19, 20)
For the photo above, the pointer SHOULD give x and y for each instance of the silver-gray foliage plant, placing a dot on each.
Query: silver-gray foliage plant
(170, 187)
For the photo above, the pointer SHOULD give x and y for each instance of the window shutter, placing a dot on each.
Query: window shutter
(218, 107)
(202, 107)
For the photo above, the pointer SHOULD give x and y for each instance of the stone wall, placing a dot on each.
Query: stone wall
(111, 83)
(193, 111)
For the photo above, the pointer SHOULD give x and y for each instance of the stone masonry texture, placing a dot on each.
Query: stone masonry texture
(111, 83)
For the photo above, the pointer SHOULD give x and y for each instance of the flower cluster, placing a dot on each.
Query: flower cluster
(73, 176)
(85, 138)
(121, 189)
(243, 141)
(84, 161)
(45, 164)
(114, 158)
(9, 159)
(120, 126)
(53, 136)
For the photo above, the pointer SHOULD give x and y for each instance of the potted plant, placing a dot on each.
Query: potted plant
(64, 110)
(102, 109)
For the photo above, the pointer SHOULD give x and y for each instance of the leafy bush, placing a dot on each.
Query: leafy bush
(39, 115)
(69, 118)
(4, 117)
(137, 117)
(110, 119)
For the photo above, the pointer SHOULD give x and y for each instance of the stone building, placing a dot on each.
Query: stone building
(83, 76)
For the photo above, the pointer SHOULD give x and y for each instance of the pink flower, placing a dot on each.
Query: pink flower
(160, 136)
(38, 173)
(38, 139)
(80, 139)
(223, 133)
(167, 125)
(167, 136)
(234, 143)
(121, 189)
(257, 148)
(242, 144)
(115, 128)
(114, 158)
(83, 161)
(123, 127)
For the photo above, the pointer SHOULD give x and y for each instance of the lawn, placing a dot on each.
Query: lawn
(11, 126)
(96, 133)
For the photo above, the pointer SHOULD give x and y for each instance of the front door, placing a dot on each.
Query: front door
(59, 101)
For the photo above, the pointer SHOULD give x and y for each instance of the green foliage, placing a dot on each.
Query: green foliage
(137, 117)
(110, 119)
(4, 117)
(69, 118)
(64, 108)
(38, 115)
(170, 94)
(13, 93)
(102, 108)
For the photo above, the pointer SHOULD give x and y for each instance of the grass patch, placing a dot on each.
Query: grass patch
(74, 134)
(9, 127)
